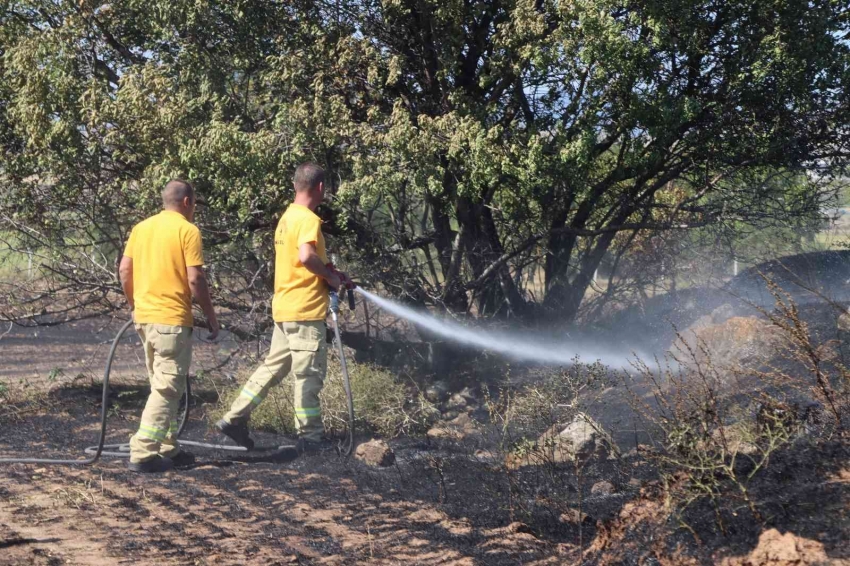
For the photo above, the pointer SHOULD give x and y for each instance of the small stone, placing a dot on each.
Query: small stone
(467, 394)
(462, 420)
(602, 488)
(637, 453)
(574, 517)
(457, 428)
(438, 432)
(735, 438)
(457, 401)
(375, 453)
(582, 438)
(485, 456)
(437, 392)
(635, 484)
(844, 322)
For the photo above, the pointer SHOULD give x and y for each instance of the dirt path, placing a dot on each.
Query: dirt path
(317, 510)
(232, 514)
(79, 349)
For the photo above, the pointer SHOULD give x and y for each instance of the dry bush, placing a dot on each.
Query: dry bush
(520, 416)
(721, 424)
(544, 478)
(821, 375)
(24, 398)
(382, 404)
(708, 447)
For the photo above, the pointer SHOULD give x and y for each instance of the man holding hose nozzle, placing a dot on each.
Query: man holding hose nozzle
(303, 277)
(160, 273)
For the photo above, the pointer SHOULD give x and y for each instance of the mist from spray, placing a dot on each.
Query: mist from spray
(521, 348)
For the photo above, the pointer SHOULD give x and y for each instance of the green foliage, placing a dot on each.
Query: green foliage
(382, 404)
(474, 147)
(54, 374)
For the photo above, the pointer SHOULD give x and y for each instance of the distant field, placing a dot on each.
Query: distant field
(14, 264)
(837, 235)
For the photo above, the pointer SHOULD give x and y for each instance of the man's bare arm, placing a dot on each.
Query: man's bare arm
(201, 292)
(310, 259)
(125, 274)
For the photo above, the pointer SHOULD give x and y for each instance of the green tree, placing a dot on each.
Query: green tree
(485, 155)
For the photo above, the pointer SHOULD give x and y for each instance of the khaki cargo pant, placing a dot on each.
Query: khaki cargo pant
(299, 347)
(168, 354)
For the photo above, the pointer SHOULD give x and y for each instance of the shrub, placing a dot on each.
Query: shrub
(721, 424)
(521, 415)
(382, 404)
(545, 485)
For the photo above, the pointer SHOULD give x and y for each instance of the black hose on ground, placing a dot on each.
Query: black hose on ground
(123, 450)
(98, 449)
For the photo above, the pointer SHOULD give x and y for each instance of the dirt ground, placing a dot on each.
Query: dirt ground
(322, 509)
(78, 350)
(441, 503)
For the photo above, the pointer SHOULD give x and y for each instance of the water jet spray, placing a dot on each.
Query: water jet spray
(510, 345)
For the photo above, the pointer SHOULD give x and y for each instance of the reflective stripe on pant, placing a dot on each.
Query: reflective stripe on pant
(298, 347)
(168, 354)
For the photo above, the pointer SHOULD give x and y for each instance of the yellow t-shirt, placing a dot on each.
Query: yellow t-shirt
(162, 247)
(299, 295)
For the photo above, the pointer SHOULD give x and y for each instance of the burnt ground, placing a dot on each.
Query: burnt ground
(440, 504)
(318, 510)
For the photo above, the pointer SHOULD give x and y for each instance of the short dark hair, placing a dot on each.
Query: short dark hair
(308, 176)
(175, 191)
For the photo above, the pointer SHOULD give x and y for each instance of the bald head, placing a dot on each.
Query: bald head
(175, 192)
(307, 177)
(179, 196)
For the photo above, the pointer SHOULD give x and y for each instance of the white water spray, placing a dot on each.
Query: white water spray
(510, 345)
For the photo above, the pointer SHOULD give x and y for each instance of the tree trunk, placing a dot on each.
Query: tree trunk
(499, 294)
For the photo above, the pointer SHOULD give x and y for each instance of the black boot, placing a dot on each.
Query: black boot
(155, 465)
(183, 459)
(238, 433)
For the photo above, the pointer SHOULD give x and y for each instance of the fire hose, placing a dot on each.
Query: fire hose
(123, 450)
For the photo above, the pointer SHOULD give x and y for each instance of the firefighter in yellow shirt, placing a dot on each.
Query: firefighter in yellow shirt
(160, 272)
(303, 279)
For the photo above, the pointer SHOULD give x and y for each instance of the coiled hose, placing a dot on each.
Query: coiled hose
(123, 450)
(98, 450)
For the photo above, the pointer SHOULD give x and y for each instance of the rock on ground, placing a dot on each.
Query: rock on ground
(583, 438)
(737, 438)
(437, 392)
(375, 453)
(737, 341)
(602, 488)
(575, 517)
(456, 402)
(458, 428)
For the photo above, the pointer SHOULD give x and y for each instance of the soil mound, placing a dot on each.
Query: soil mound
(736, 342)
(777, 549)
(803, 276)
